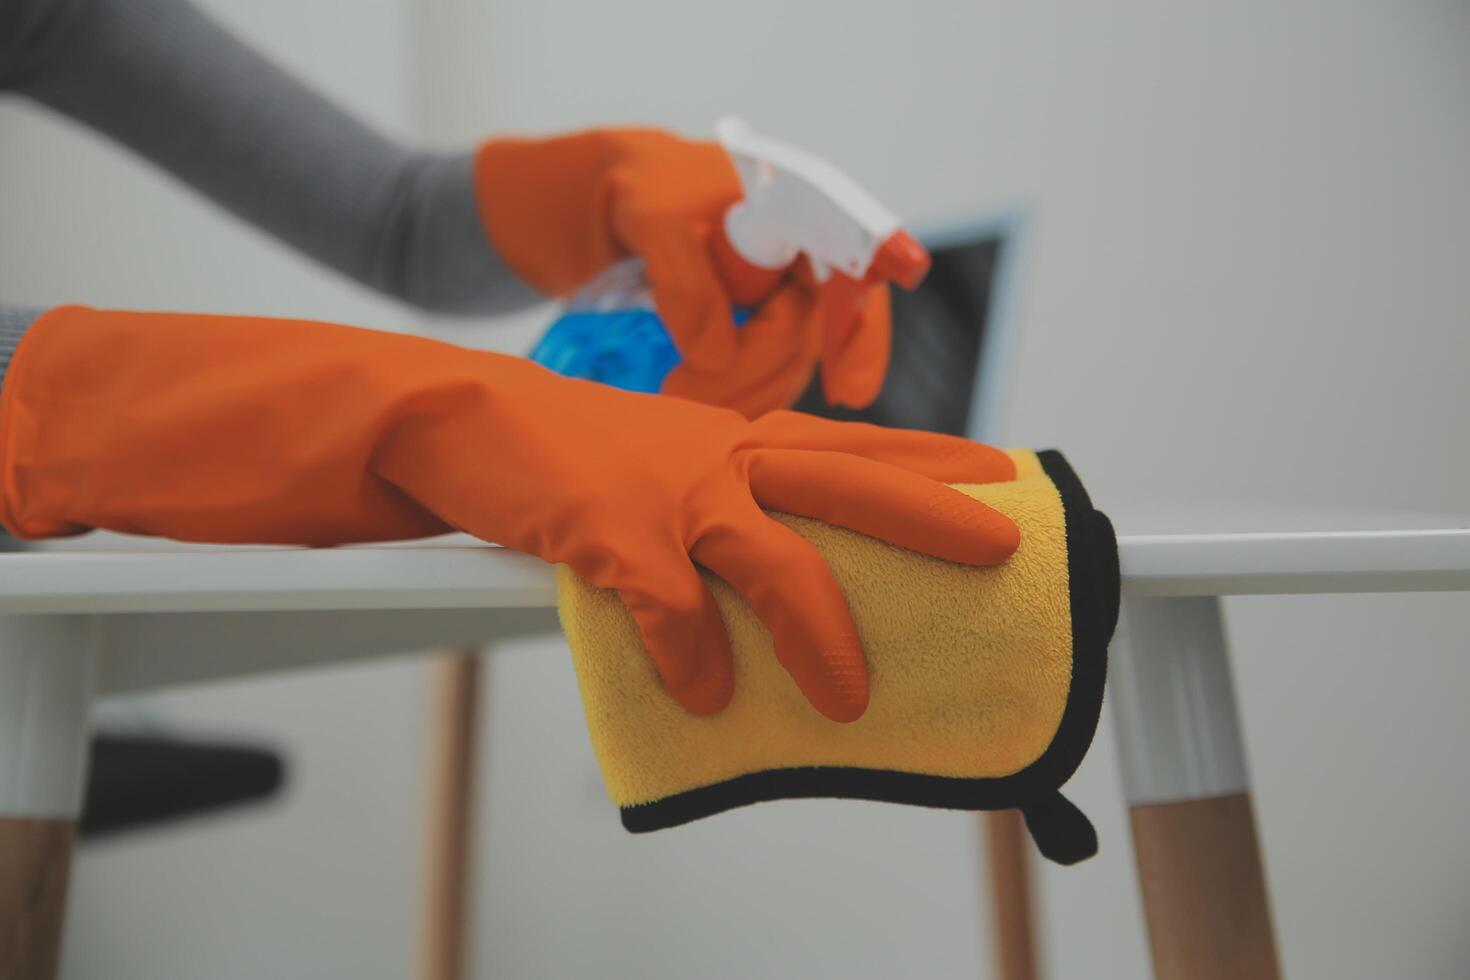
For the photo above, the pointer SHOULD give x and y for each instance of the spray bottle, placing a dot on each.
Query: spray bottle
(794, 204)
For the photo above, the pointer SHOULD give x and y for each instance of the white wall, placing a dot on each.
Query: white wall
(1245, 282)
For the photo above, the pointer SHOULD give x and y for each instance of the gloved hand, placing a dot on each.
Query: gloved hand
(236, 429)
(560, 210)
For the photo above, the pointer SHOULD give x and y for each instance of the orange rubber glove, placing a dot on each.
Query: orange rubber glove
(561, 210)
(236, 429)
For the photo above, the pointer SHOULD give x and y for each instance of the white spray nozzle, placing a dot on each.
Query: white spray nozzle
(799, 203)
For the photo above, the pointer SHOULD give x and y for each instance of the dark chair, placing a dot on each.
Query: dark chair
(138, 781)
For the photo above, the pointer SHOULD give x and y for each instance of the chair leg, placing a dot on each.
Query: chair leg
(1011, 904)
(1185, 780)
(450, 817)
(47, 671)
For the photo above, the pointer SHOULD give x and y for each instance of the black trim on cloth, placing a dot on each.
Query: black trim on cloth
(1061, 831)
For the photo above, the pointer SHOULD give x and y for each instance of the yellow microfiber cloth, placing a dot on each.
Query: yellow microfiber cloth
(986, 682)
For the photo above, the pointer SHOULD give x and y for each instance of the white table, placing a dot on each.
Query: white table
(90, 620)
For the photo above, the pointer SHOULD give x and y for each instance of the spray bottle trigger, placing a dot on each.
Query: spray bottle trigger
(746, 282)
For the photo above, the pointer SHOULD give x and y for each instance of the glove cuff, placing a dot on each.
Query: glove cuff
(545, 206)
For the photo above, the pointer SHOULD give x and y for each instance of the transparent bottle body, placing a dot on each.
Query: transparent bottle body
(610, 332)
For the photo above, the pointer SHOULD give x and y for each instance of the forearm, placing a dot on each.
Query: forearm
(162, 78)
(207, 428)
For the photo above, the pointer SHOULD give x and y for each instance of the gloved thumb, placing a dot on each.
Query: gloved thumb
(691, 300)
(683, 634)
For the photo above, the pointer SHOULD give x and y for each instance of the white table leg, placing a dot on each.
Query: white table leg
(1185, 781)
(47, 675)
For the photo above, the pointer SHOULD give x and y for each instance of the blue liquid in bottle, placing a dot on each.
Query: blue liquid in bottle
(612, 334)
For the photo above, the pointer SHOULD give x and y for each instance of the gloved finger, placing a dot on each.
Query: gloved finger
(780, 390)
(795, 595)
(883, 502)
(854, 376)
(685, 636)
(753, 397)
(776, 352)
(687, 292)
(946, 458)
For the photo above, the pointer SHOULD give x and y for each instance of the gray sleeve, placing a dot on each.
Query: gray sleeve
(13, 324)
(165, 80)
